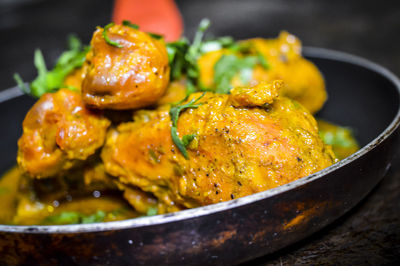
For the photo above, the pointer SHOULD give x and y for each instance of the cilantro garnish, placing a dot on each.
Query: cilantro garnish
(341, 137)
(176, 57)
(230, 65)
(152, 211)
(70, 217)
(183, 58)
(217, 44)
(50, 81)
(136, 27)
(105, 36)
(154, 156)
(130, 24)
(155, 35)
(174, 114)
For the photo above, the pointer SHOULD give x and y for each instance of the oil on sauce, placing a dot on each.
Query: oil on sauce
(22, 208)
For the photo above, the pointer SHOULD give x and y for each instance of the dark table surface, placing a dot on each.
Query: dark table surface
(368, 234)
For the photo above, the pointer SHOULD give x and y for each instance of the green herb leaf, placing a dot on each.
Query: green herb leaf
(136, 27)
(178, 142)
(187, 139)
(341, 137)
(183, 58)
(153, 156)
(107, 39)
(174, 114)
(155, 35)
(217, 44)
(230, 65)
(263, 61)
(50, 81)
(224, 71)
(152, 211)
(198, 37)
(69, 217)
(130, 24)
(176, 56)
(63, 218)
(21, 84)
(94, 218)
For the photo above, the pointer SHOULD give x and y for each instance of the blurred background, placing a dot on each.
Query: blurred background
(368, 28)
(369, 234)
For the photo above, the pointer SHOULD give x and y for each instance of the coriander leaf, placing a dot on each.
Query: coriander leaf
(228, 66)
(263, 61)
(341, 137)
(174, 114)
(136, 27)
(217, 44)
(63, 218)
(152, 211)
(70, 217)
(130, 24)
(176, 56)
(74, 43)
(194, 52)
(153, 156)
(175, 110)
(94, 218)
(224, 71)
(51, 80)
(178, 142)
(21, 84)
(198, 37)
(183, 58)
(155, 35)
(39, 85)
(187, 139)
(107, 39)
(245, 75)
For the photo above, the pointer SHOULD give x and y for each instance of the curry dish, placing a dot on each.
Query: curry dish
(134, 126)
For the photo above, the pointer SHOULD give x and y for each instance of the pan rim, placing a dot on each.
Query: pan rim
(314, 52)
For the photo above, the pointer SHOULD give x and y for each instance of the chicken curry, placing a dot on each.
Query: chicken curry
(133, 126)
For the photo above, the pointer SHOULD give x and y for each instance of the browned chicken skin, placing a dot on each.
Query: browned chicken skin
(59, 132)
(132, 76)
(237, 151)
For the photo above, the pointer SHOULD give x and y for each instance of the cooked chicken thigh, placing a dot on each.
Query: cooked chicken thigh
(59, 132)
(132, 73)
(246, 142)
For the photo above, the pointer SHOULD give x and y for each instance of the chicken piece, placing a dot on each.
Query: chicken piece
(259, 95)
(236, 150)
(340, 138)
(303, 82)
(134, 75)
(58, 133)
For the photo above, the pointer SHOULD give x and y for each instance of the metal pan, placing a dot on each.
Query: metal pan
(362, 94)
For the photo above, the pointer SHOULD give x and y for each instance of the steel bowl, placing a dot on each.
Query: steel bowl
(362, 95)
